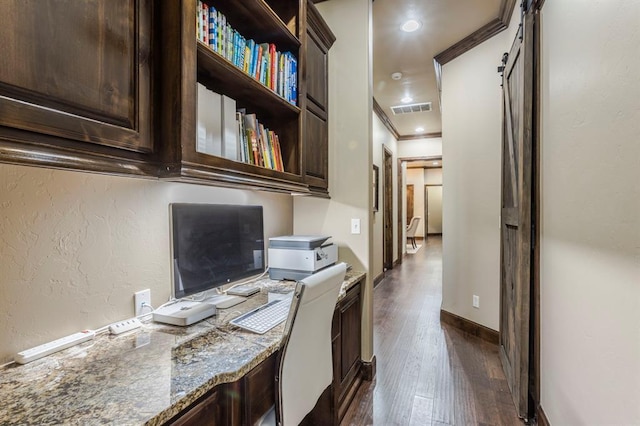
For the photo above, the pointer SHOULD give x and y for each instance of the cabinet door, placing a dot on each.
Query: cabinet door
(77, 70)
(259, 390)
(350, 335)
(316, 72)
(204, 413)
(316, 136)
(316, 150)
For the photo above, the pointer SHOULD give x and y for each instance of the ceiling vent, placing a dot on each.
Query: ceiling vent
(411, 108)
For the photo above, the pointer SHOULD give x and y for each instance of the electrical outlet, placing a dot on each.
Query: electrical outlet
(355, 226)
(142, 298)
(476, 301)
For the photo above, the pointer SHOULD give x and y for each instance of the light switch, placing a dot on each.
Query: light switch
(355, 226)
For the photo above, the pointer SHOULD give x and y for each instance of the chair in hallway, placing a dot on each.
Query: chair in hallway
(305, 366)
(411, 230)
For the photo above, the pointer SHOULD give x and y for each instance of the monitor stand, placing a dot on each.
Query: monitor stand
(184, 312)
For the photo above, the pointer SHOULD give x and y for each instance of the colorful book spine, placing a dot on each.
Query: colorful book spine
(262, 61)
(213, 27)
(294, 81)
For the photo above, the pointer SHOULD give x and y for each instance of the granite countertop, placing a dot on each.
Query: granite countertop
(145, 376)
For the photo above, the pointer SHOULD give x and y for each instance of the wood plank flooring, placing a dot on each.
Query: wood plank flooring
(428, 373)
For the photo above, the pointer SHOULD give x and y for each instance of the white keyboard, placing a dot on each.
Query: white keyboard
(265, 317)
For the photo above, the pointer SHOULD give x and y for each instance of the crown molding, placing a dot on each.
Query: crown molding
(420, 136)
(385, 119)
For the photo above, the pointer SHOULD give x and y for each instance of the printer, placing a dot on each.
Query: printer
(294, 257)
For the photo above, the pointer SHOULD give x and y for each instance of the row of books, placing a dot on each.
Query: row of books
(274, 69)
(225, 131)
(259, 145)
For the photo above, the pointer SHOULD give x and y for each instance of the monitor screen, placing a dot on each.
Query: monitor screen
(214, 244)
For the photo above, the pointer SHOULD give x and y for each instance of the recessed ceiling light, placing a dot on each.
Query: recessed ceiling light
(419, 129)
(410, 26)
(396, 76)
(406, 99)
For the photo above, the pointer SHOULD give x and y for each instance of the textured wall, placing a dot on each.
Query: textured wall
(471, 128)
(350, 141)
(74, 247)
(430, 147)
(590, 231)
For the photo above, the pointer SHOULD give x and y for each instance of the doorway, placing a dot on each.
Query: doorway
(388, 211)
(432, 210)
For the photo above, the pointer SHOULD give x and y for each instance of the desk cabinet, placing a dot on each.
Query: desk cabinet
(243, 402)
(347, 338)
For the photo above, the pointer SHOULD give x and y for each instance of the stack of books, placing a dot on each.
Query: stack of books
(276, 70)
(225, 131)
(258, 144)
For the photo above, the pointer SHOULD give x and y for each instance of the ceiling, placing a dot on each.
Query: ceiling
(448, 28)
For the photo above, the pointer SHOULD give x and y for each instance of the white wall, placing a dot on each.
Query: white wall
(382, 138)
(74, 247)
(433, 176)
(471, 129)
(350, 148)
(590, 231)
(427, 147)
(434, 205)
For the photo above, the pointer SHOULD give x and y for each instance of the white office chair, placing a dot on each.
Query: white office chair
(411, 230)
(305, 366)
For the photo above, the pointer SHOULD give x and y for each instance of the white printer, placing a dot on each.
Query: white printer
(294, 257)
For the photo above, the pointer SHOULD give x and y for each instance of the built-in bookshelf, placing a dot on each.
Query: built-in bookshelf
(285, 151)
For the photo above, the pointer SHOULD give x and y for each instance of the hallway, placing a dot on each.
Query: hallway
(427, 373)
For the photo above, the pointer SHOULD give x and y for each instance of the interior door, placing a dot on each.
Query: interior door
(426, 212)
(433, 195)
(388, 210)
(409, 203)
(516, 226)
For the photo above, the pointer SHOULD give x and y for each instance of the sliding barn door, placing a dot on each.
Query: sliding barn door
(516, 226)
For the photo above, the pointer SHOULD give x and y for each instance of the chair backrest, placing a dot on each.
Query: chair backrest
(305, 369)
(413, 226)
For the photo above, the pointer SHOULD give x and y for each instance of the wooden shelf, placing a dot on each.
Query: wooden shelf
(255, 19)
(220, 75)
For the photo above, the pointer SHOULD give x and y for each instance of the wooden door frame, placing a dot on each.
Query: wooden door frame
(534, 362)
(387, 208)
(400, 207)
(426, 222)
(426, 212)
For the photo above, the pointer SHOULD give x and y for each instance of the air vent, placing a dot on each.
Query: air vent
(411, 108)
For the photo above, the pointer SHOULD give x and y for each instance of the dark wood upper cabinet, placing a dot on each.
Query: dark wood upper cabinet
(76, 84)
(185, 62)
(316, 136)
(112, 87)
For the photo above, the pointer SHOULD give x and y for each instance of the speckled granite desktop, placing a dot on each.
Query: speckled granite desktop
(142, 377)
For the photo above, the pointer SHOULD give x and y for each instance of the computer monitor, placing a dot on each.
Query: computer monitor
(214, 244)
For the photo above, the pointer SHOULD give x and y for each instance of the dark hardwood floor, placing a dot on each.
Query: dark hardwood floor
(428, 373)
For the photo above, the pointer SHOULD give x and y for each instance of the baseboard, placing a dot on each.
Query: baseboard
(397, 262)
(434, 234)
(542, 419)
(470, 327)
(378, 279)
(369, 369)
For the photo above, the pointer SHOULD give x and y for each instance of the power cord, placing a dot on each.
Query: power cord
(254, 279)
